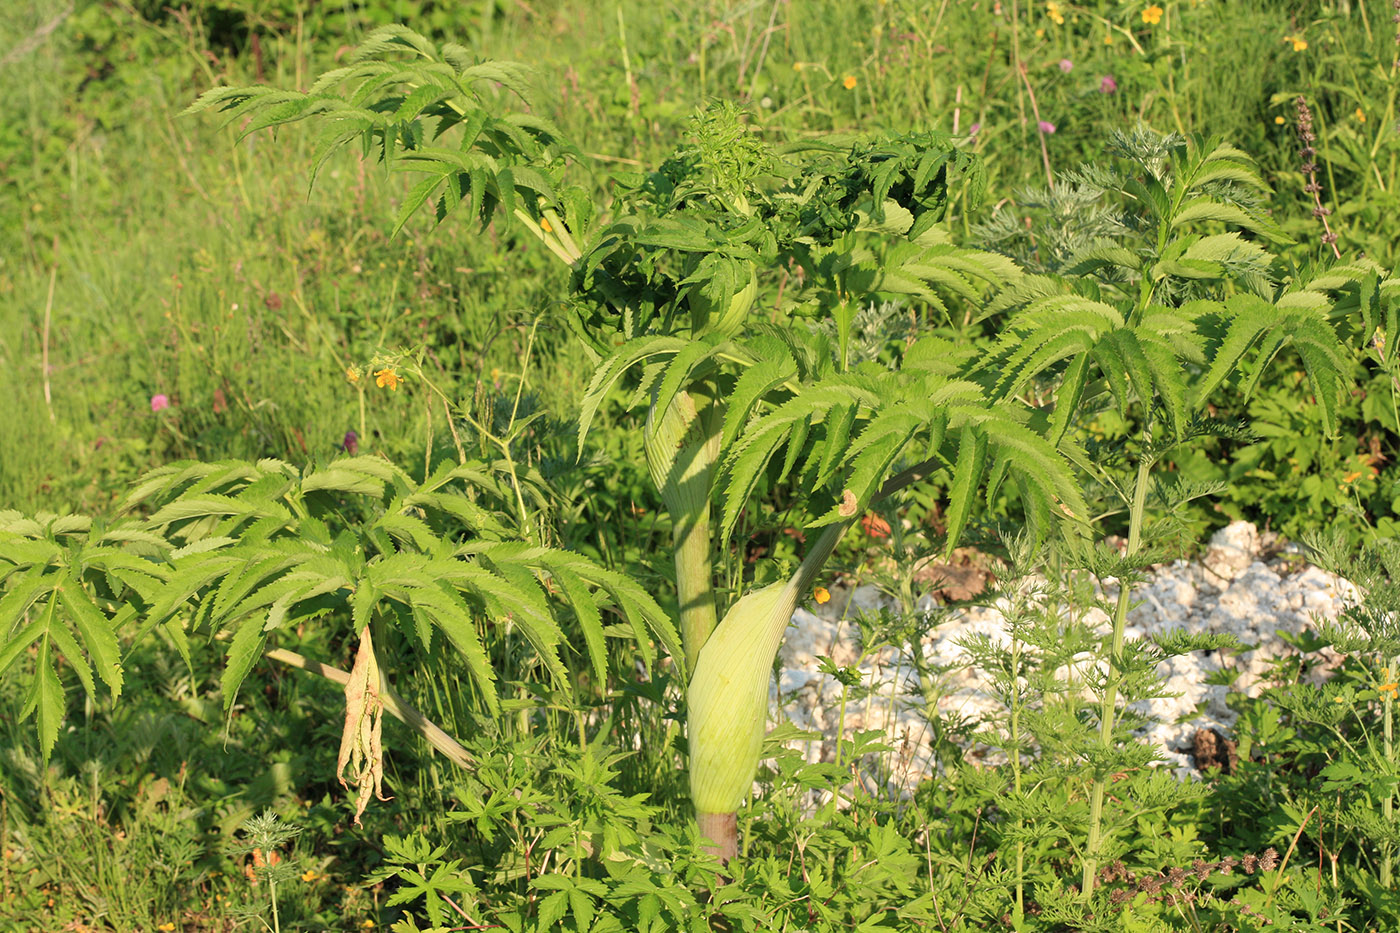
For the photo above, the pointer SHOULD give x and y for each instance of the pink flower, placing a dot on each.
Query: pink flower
(1107, 85)
(1047, 127)
(160, 401)
(974, 129)
(1066, 65)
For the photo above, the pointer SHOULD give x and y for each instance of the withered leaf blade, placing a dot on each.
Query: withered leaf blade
(361, 748)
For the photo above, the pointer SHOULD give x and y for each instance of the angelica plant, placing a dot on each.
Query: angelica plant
(665, 295)
(738, 395)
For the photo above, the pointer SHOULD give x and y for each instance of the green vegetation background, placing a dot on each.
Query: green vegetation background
(145, 255)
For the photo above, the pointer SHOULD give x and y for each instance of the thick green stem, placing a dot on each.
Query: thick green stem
(682, 445)
(694, 582)
(1109, 707)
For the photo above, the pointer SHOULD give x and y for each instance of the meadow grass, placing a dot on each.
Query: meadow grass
(188, 265)
(146, 254)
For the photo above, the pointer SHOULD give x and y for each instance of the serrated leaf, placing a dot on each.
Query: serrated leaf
(243, 651)
(972, 458)
(97, 633)
(46, 700)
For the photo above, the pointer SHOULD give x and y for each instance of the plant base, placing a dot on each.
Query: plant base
(722, 829)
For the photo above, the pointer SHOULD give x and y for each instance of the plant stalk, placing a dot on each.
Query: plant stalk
(1109, 706)
(1388, 804)
(682, 446)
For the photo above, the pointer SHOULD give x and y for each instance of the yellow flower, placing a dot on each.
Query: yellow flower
(1108, 38)
(1152, 15)
(387, 378)
(796, 66)
(310, 875)
(166, 927)
(1299, 43)
(1052, 10)
(1360, 115)
(352, 373)
(1389, 688)
(822, 595)
(849, 82)
(367, 924)
(1280, 121)
(544, 225)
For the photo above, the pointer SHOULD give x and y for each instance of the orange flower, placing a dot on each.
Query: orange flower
(1390, 688)
(259, 861)
(875, 526)
(387, 378)
(310, 875)
(1152, 15)
(822, 595)
(544, 225)
(849, 82)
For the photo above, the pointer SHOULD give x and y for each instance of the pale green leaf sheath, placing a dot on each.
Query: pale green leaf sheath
(728, 700)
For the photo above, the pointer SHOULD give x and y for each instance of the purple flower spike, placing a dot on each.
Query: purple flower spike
(1107, 85)
(351, 444)
(1047, 127)
(974, 129)
(1066, 65)
(160, 402)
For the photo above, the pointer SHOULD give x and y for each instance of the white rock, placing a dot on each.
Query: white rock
(1232, 549)
(1231, 591)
